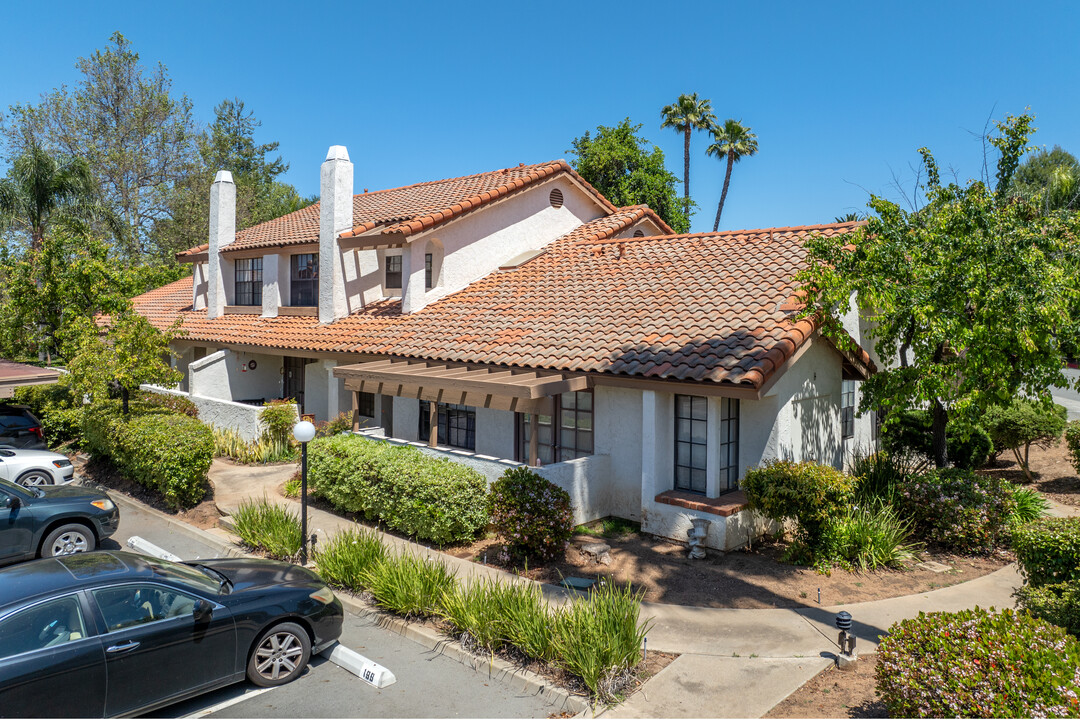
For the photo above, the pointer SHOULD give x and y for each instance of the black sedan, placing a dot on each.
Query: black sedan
(52, 520)
(116, 633)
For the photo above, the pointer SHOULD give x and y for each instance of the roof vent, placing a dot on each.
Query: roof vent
(639, 233)
(556, 198)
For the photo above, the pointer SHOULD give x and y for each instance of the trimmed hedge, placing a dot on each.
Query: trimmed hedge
(423, 497)
(532, 514)
(157, 448)
(1058, 604)
(1048, 550)
(978, 663)
(54, 405)
(958, 509)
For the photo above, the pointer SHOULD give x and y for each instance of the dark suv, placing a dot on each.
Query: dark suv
(20, 429)
(52, 520)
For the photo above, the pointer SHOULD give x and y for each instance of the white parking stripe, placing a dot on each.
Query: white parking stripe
(247, 695)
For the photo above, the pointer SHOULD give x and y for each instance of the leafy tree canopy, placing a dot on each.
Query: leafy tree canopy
(970, 300)
(620, 164)
(1050, 179)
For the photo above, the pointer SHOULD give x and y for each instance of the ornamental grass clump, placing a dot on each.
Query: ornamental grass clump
(1029, 506)
(345, 557)
(474, 609)
(599, 638)
(269, 527)
(869, 537)
(531, 514)
(527, 620)
(408, 584)
(979, 663)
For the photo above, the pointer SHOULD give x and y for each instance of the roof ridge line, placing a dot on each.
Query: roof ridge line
(749, 231)
(459, 177)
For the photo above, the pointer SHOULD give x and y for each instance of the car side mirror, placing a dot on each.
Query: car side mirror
(12, 503)
(202, 611)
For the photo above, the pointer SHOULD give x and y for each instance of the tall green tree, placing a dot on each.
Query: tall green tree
(129, 353)
(686, 115)
(970, 300)
(620, 164)
(733, 141)
(1050, 179)
(137, 137)
(41, 190)
(229, 144)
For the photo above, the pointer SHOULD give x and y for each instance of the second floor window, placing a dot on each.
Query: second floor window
(249, 278)
(304, 280)
(393, 272)
(427, 271)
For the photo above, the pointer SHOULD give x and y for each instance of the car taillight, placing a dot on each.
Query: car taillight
(37, 431)
(324, 595)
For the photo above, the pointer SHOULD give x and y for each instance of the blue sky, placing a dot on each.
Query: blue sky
(841, 95)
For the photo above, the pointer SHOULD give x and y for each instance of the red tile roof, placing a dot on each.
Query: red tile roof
(405, 210)
(707, 307)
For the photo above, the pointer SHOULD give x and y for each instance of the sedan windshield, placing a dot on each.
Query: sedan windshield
(184, 574)
(19, 491)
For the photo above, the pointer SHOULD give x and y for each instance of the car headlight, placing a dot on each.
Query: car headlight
(324, 595)
(105, 504)
(62, 463)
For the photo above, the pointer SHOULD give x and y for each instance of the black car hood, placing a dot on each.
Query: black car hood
(69, 492)
(252, 573)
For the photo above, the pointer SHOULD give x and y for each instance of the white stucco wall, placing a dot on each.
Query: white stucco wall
(495, 433)
(200, 285)
(226, 375)
(221, 413)
(617, 434)
(587, 480)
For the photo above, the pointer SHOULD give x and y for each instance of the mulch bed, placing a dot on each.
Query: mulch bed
(1055, 477)
(836, 693)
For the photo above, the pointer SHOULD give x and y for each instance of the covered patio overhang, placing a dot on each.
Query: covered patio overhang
(15, 375)
(513, 390)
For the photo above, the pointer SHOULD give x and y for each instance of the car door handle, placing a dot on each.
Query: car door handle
(122, 648)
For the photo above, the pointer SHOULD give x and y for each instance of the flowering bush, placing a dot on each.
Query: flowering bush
(979, 663)
(1048, 550)
(812, 495)
(531, 514)
(958, 509)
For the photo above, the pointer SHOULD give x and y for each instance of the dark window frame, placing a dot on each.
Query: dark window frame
(365, 404)
(428, 266)
(457, 425)
(567, 405)
(248, 280)
(304, 280)
(847, 409)
(691, 420)
(728, 457)
(393, 276)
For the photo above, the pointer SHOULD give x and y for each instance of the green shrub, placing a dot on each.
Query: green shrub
(869, 537)
(1030, 505)
(269, 527)
(1020, 424)
(976, 663)
(810, 494)
(1058, 604)
(911, 431)
(173, 403)
(426, 498)
(531, 514)
(1072, 440)
(958, 510)
(1048, 550)
(293, 486)
(278, 418)
(599, 637)
(170, 454)
(880, 476)
(342, 423)
(408, 584)
(56, 407)
(345, 557)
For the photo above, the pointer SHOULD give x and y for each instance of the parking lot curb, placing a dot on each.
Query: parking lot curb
(498, 669)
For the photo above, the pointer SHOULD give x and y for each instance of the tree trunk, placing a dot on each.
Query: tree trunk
(941, 419)
(723, 193)
(686, 172)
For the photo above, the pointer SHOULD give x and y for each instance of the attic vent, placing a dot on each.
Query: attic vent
(638, 233)
(556, 198)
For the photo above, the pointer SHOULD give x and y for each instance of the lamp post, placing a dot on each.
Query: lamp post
(304, 432)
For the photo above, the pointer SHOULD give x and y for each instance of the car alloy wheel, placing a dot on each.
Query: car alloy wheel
(70, 543)
(280, 655)
(35, 478)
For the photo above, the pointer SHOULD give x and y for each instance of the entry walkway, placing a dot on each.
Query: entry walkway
(733, 662)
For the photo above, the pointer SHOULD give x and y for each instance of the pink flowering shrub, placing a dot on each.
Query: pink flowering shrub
(532, 515)
(979, 663)
(959, 510)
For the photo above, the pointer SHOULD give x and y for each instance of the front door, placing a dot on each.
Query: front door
(294, 380)
(154, 649)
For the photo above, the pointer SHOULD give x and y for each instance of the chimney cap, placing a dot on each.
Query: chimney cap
(337, 152)
(223, 176)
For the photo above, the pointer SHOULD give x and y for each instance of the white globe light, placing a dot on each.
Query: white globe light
(303, 431)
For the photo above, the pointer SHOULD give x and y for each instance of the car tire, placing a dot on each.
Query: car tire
(68, 540)
(34, 478)
(279, 655)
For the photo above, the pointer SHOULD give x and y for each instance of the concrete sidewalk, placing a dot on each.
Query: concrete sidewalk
(732, 663)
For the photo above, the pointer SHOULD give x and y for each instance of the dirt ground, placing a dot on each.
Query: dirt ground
(836, 694)
(1054, 474)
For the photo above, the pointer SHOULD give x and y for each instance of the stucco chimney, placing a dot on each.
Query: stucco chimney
(222, 233)
(335, 217)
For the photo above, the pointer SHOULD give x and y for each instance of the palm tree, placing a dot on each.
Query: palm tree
(735, 141)
(40, 188)
(847, 217)
(686, 115)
